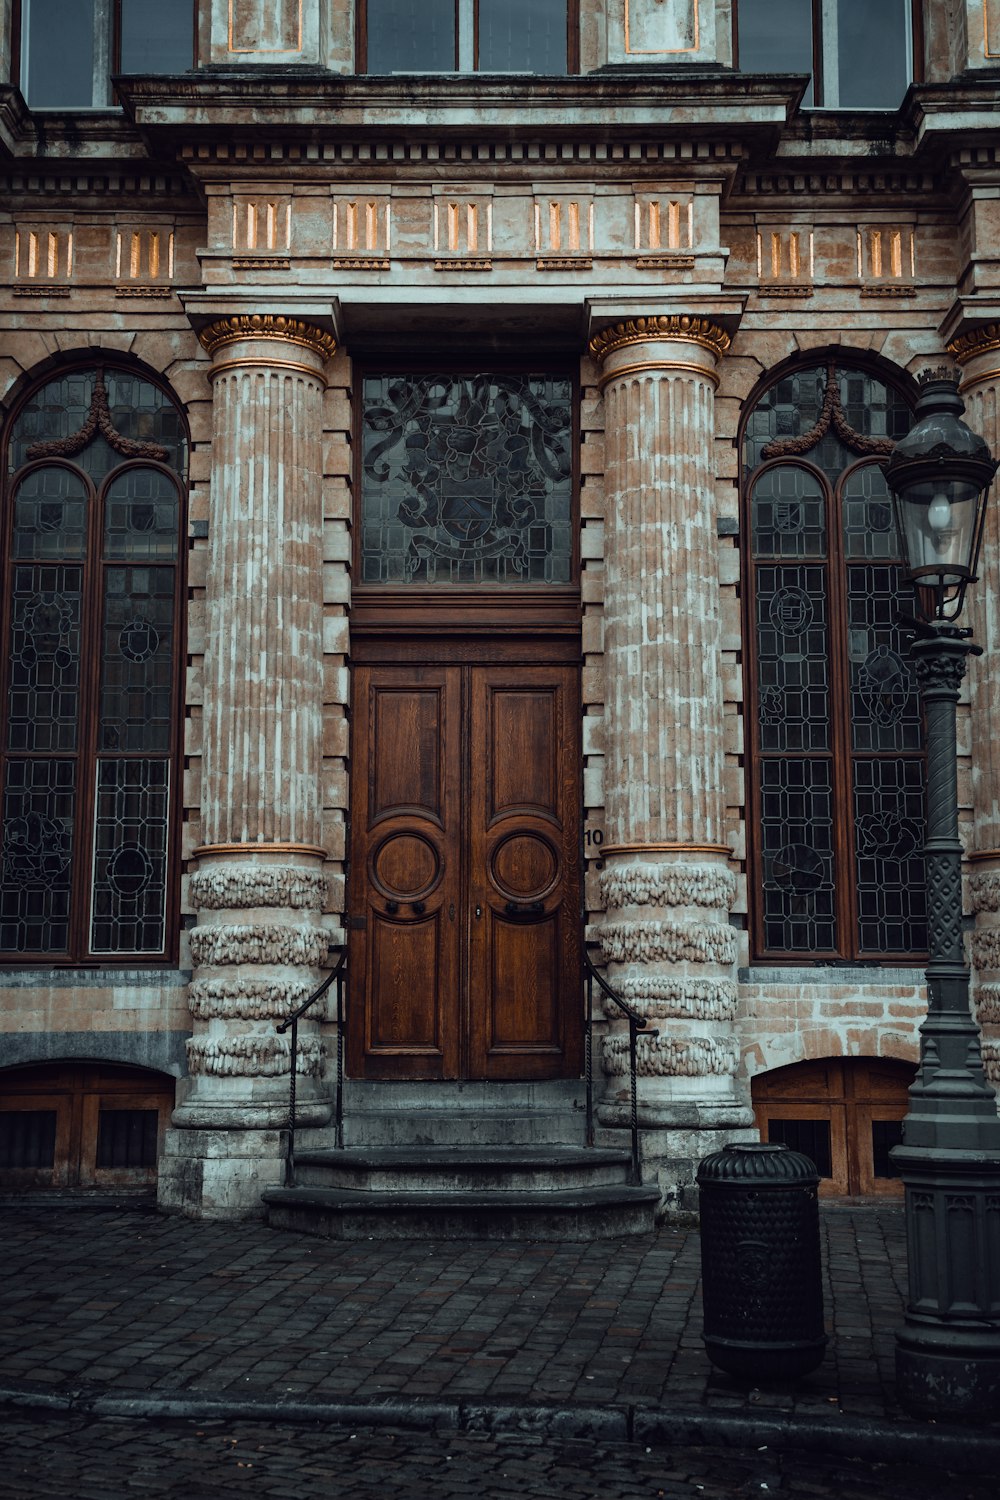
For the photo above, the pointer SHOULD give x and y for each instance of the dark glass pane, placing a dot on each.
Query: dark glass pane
(130, 856)
(792, 654)
(467, 479)
(35, 854)
(522, 36)
(140, 517)
(811, 1137)
(58, 53)
(788, 515)
(872, 408)
(127, 1137)
(139, 412)
(54, 413)
(43, 696)
(408, 38)
(788, 410)
(142, 413)
(50, 515)
(885, 704)
(775, 36)
(868, 516)
(797, 855)
(889, 834)
(871, 53)
(27, 1139)
(137, 665)
(157, 38)
(885, 1135)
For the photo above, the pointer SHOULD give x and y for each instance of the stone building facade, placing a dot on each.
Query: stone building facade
(442, 495)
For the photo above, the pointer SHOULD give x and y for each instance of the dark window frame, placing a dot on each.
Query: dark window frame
(88, 753)
(916, 28)
(113, 31)
(572, 42)
(841, 755)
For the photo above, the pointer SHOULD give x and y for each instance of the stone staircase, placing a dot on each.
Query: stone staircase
(461, 1161)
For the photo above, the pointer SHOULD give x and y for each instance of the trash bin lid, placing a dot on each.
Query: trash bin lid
(762, 1163)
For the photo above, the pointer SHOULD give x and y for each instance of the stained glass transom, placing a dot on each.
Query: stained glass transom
(467, 479)
(837, 721)
(97, 458)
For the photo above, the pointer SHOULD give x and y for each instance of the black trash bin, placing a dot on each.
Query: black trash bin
(762, 1287)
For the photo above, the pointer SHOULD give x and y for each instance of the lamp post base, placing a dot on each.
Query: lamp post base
(960, 1383)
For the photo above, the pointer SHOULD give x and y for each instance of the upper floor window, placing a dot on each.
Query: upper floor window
(92, 510)
(467, 36)
(70, 48)
(834, 719)
(859, 54)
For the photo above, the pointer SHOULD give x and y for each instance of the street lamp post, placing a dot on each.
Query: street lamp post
(948, 1351)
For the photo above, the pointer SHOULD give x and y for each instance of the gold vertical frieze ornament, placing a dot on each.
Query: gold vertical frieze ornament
(258, 884)
(978, 353)
(667, 884)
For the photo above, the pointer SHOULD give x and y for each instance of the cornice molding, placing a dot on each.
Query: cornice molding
(244, 327)
(674, 327)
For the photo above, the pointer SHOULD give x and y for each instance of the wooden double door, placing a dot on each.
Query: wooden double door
(464, 901)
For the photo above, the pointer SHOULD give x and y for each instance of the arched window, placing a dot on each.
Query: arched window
(837, 766)
(92, 509)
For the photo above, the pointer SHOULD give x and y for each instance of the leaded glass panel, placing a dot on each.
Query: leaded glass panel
(467, 479)
(131, 831)
(52, 414)
(140, 517)
(43, 691)
(35, 855)
(95, 414)
(792, 659)
(890, 833)
(789, 408)
(788, 514)
(797, 822)
(50, 515)
(137, 664)
(868, 516)
(885, 703)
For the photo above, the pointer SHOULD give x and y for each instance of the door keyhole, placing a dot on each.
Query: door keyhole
(479, 912)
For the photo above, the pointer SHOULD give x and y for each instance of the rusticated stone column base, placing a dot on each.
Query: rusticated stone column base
(219, 1174)
(984, 888)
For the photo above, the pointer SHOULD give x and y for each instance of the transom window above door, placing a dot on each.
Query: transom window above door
(859, 54)
(467, 36)
(70, 48)
(466, 479)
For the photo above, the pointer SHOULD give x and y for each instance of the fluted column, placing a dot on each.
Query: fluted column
(667, 884)
(978, 352)
(258, 886)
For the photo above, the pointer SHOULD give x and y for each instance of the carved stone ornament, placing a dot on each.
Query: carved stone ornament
(244, 326)
(831, 415)
(667, 885)
(672, 1057)
(991, 1061)
(689, 330)
(237, 887)
(658, 997)
(668, 942)
(98, 421)
(982, 340)
(988, 1005)
(237, 999)
(258, 943)
(986, 948)
(255, 1056)
(984, 890)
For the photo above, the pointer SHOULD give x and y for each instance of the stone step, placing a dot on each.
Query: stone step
(443, 1169)
(439, 1127)
(567, 1214)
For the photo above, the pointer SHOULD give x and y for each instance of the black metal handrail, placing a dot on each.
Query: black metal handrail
(636, 1023)
(335, 976)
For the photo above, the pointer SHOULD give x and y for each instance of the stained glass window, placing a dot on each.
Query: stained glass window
(467, 479)
(838, 783)
(92, 510)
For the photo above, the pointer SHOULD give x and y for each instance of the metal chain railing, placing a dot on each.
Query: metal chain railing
(335, 977)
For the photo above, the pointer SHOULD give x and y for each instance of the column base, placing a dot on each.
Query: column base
(959, 1383)
(670, 1158)
(219, 1174)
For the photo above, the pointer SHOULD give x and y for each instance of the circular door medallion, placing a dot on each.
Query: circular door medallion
(524, 866)
(405, 866)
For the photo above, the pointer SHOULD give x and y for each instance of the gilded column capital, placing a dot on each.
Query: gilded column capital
(982, 340)
(673, 327)
(244, 327)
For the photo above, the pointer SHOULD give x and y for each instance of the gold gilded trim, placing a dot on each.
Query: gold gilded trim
(244, 326)
(690, 330)
(977, 341)
(641, 366)
(607, 849)
(254, 849)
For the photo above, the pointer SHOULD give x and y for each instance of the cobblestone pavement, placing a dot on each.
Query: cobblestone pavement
(43, 1459)
(133, 1301)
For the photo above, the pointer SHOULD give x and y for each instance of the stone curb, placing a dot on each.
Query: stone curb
(956, 1448)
